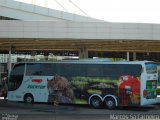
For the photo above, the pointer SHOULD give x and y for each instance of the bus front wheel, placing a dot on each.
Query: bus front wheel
(28, 98)
(96, 102)
(110, 103)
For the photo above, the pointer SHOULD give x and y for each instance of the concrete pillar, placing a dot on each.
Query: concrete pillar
(0, 75)
(9, 62)
(33, 54)
(127, 56)
(134, 56)
(46, 56)
(83, 53)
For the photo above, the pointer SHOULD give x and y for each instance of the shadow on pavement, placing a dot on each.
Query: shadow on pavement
(43, 107)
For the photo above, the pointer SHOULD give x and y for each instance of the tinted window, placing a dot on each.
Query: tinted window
(40, 69)
(48, 69)
(91, 70)
(94, 70)
(114, 71)
(134, 70)
(18, 70)
(33, 69)
(71, 69)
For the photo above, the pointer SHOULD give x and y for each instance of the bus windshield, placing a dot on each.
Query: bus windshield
(16, 77)
(151, 68)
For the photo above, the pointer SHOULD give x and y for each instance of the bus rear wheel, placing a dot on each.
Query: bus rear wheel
(96, 102)
(28, 98)
(110, 103)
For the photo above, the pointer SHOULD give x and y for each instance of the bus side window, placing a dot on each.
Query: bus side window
(134, 70)
(33, 69)
(48, 69)
(94, 70)
(112, 71)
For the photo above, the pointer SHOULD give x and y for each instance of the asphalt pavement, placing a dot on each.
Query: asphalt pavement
(40, 111)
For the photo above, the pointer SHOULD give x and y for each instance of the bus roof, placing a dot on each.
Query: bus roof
(90, 61)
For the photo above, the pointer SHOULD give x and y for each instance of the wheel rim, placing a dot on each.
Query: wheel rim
(109, 103)
(95, 103)
(29, 99)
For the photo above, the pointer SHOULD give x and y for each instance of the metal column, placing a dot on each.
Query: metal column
(134, 56)
(9, 62)
(127, 56)
(83, 53)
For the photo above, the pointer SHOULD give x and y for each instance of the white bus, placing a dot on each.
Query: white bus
(98, 83)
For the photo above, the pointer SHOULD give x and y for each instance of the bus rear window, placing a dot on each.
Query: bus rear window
(151, 68)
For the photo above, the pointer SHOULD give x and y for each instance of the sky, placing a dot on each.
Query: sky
(133, 11)
(136, 11)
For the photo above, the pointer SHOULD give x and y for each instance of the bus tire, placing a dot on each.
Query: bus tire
(96, 102)
(110, 103)
(28, 98)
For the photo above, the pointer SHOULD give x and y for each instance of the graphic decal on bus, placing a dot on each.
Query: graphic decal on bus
(151, 88)
(84, 87)
(151, 85)
(79, 89)
(36, 84)
(129, 90)
(38, 81)
(59, 90)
